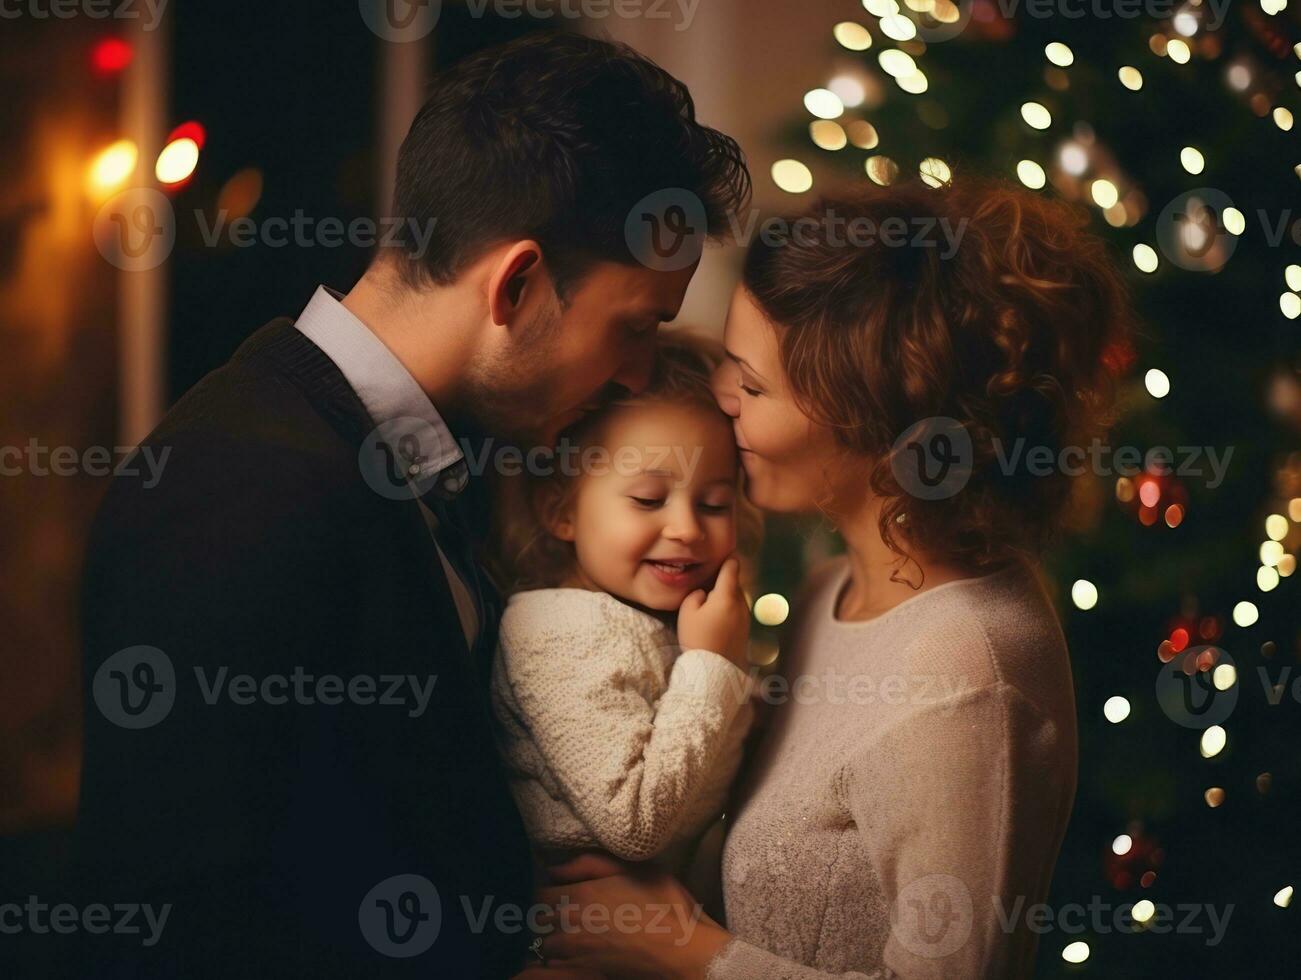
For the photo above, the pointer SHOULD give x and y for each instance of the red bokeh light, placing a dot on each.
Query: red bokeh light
(110, 56)
(188, 130)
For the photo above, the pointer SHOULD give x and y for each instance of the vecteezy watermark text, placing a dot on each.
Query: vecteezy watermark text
(36, 459)
(402, 916)
(933, 459)
(403, 21)
(64, 919)
(136, 688)
(151, 10)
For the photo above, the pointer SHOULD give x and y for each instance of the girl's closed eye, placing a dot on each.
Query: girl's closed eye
(647, 502)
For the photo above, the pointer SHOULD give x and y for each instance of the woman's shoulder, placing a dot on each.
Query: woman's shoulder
(994, 631)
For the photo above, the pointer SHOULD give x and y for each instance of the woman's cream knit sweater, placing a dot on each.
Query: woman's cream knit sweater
(906, 806)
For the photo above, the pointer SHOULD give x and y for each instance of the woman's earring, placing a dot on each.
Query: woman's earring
(901, 517)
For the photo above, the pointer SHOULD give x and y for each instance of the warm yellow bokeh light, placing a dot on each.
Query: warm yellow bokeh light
(112, 167)
(792, 176)
(177, 161)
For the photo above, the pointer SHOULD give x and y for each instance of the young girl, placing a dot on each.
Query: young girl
(618, 733)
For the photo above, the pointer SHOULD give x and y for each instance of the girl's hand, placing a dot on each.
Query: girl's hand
(719, 620)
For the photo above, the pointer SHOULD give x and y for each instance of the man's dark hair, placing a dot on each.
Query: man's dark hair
(554, 137)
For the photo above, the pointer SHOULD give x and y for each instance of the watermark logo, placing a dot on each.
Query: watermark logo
(1191, 230)
(136, 229)
(401, 21)
(1197, 688)
(136, 687)
(932, 460)
(401, 916)
(666, 230)
(932, 916)
(944, 21)
(401, 459)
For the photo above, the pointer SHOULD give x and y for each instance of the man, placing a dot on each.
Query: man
(289, 766)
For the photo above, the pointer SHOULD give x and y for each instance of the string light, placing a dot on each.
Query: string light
(1192, 159)
(1146, 260)
(1036, 115)
(1116, 709)
(1031, 174)
(792, 176)
(1059, 54)
(1076, 952)
(824, 103)
(1131, 78)
(1084, 594)
(1213, 741)
(1245, 614)
(935, 172)
(852, 36)
(771, 609)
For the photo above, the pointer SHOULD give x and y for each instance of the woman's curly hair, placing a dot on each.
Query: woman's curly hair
(523, 554)
(1017, 333)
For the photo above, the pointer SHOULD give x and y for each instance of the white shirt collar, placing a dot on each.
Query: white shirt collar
(391, 396)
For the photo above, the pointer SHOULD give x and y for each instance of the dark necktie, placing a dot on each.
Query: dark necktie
(458, 528)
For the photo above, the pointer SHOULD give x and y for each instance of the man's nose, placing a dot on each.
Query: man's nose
(635, 372)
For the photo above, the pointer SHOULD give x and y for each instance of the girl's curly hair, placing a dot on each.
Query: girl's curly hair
(523, 554)
(1017, 333)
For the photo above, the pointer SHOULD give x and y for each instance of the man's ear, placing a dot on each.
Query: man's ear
(553, 507)
(520, 274)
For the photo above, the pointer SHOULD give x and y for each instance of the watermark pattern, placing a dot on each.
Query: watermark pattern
(1200, 228)
(136, 230)
(97, 919)
(137, 688)
(933, 459)
(1108, 10)
(149, 11)
(403, 458)
(401, 21)
(1102, 917)
(932, 916)
(402, 917)
(1186, 687)
(36, 459)
(667, 230)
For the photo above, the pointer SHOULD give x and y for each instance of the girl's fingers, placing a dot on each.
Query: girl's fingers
(726, 581)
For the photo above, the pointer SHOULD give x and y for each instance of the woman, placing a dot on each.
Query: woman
(901, 816)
